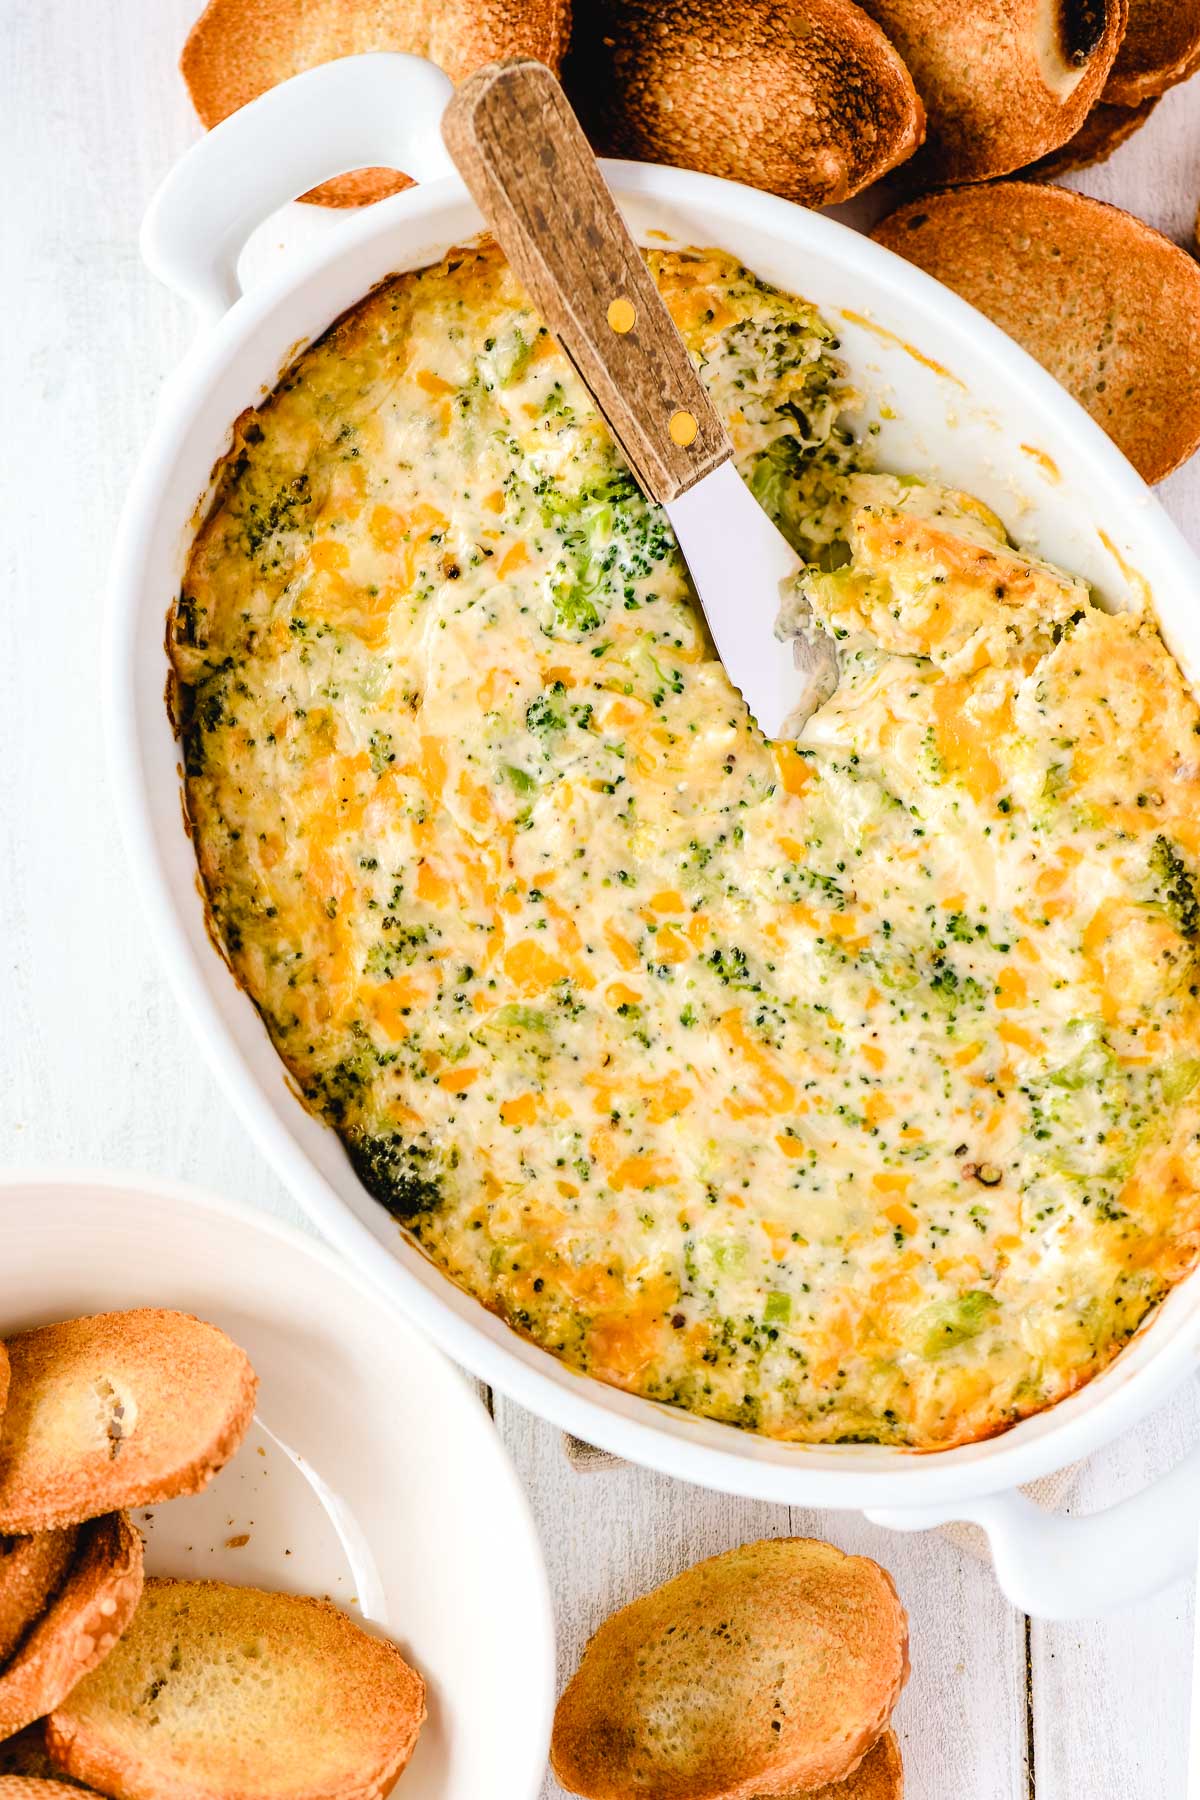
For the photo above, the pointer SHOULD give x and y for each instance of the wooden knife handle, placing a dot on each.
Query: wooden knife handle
(522, 153)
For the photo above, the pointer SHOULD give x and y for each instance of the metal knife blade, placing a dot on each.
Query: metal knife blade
(740, 563)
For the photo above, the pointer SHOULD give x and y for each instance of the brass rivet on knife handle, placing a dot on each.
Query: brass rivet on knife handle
(521, 152)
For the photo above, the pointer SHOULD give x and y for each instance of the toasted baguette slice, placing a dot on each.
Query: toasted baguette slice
(80, 1625)
(1003, 81)
(238, 49)
(1104, 130)
(1161, 47)
(1104, 302)
(769, 1670)
(26, 1754)
(30, 1571)
(879, 1776)
(26, 1769)
(33, 1787)
(807, 99)
(228, 1693)
(122, 1409)
(3, 1381)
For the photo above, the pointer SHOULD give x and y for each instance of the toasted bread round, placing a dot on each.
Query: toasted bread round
(1109, 306)
(769, 1670)
(1161, 47)
(30, 1570)
(220, 1691)
(803, 97)
(3, 1380)
(26, 1769)
(79, 1627)
(879, 1776)
(117, 1410)
(25, 1754)
(237, 49)
(1104, 130)
(1003, 81)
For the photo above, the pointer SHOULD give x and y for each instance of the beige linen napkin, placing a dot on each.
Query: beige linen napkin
(1050, 1492)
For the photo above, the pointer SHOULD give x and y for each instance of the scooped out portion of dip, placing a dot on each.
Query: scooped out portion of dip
(846, 1090)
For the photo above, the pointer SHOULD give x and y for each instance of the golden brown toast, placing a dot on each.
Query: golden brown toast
(1161, 47)
(3, 1380)
(769, 1670)
(118, 1410)
(229, 1693)
(879, 1776)
(79, 1627)
(1108, 305)
(1003, 81)
(806, 98)
(237, 49)
(30, 1571)
(1104, 130)
(26, 1769)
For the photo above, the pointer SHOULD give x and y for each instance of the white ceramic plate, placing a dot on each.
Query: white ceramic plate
(371, 1474)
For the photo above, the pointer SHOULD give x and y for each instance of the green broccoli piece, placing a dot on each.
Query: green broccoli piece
(540, 714)
(950, 1322)
(1177, 887)
(393, 1172)
(574, 605)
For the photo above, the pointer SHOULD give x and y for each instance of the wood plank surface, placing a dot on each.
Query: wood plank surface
(98, 1067)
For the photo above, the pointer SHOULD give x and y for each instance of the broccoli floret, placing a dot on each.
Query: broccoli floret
(775, 471)
(513, 358)
(799, 483)
(1177, 887)
(611, 537)
(950, 1322)
(575, 606)
(959, 927)
(264, 519)
(394, 1173)
(540, 714)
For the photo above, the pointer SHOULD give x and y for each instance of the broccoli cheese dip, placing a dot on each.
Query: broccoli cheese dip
(844, 1090)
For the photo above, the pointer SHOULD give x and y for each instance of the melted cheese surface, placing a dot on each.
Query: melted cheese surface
(847, 1090)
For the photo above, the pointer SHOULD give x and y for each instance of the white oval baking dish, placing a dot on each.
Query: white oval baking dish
(953, 398)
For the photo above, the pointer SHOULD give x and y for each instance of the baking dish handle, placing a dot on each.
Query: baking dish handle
(383, 109)
(1057, 1567)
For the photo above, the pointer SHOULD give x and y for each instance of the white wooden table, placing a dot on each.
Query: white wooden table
(97, 1067)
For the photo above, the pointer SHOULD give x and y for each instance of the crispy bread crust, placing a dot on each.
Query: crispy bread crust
(879, 1776)
(999, 86)
(26, 1754)
(769, 1670)
(31, 1568)
(32, 1787)
(1104, 130)
(805, 98)
(80, 1626)
(328, 1679)
(237, 49)
(26, 1772)
(4, 1373)
(1108, 305)
(1161, 47)
(118, 1410)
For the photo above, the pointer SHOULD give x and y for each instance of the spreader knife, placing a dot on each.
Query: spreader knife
(523, 155)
